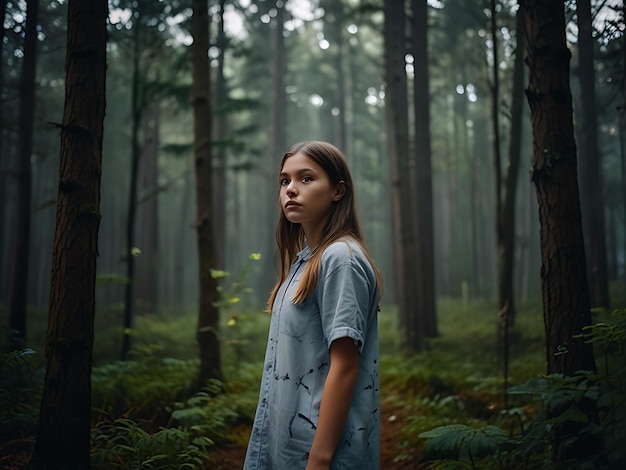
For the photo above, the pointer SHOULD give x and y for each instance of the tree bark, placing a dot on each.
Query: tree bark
(63, 439)
(403, 200)
(278, 135)
(278, 93)
(20, 251)
(563, 275)
(495, 125)
(221, 134)
(423, 172)
(506, 222)
(4, 164)
(208, 313)
(180, 253)
(590, 158)
(335, 26)
(131, 214)
(145, 293)
(622, 123)
(462, 240)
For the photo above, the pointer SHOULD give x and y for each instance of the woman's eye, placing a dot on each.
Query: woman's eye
(306, 179)
(284, 182)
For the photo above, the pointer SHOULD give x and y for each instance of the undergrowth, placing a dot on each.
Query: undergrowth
(555, 422)
(450, 398)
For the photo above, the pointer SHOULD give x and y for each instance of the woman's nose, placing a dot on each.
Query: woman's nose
(291, 190)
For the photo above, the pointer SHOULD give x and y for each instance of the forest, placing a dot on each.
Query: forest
(140, 144)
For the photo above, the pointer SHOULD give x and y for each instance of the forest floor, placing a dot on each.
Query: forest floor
(394, 455)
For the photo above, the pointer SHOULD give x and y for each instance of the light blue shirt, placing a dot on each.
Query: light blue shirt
(297, 359)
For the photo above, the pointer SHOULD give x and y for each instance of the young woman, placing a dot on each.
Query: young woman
(319, 401)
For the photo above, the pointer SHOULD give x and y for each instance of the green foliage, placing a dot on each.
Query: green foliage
(243, 330)
(456, 378)
(609, 337)
(577, 421)
(459, 441)
(215, 410)
(148, 390)
(20, 398)
(20, 394)
(124, 444)
(166, 335)
(141, 386)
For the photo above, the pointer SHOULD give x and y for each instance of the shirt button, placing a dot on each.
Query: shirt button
(268, 366)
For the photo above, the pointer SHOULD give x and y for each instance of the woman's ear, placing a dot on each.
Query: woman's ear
(340, 190)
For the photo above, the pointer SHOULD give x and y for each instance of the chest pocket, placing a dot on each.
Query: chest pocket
(300, 321)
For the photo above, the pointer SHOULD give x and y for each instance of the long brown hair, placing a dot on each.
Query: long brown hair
(342, 221)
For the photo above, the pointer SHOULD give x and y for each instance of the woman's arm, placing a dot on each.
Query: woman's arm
(336, 398)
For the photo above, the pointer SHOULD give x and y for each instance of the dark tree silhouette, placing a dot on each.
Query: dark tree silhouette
(3, 155)
(505, 220)
(403, 200)
(20, 252)
(145, 292)
(136, 113)
(63, 439)
(591, 186)
(563, 272)
(222, 130)
(427, 309)
(208, 312)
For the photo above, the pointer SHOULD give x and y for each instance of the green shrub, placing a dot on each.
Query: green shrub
(577, 422)
(142, 386)
(124, 444)
(20, 394)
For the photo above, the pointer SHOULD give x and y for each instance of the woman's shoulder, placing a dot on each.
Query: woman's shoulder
(347, 256)
(343, 250)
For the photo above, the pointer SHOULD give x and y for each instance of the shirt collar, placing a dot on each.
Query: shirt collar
(304, 255)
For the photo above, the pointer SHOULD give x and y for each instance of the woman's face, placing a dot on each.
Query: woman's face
(307, 194)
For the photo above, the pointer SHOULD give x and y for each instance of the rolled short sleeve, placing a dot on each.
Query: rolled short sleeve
(345, 290)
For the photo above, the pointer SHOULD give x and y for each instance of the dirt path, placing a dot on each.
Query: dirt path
(394, 454)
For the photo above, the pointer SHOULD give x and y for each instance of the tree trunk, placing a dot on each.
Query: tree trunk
(208, 313)
(563, 274)
(180, 252)
(507, 294)
(506, 229)
(461, 238)
(4, 164)
(221, 134)
(335, 26)
(423, 170)
(278, 94)
(136, 112)
(622, 132)
(397, 142)
(504, 306)
(276, 130)
(480, 147)
(591, 186)
(401, 175)
(63, 439)
(145, 293)
(278, 144)
(18, 279)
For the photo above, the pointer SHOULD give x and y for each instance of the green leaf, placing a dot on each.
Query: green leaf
(458, 440)
(443, 430)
